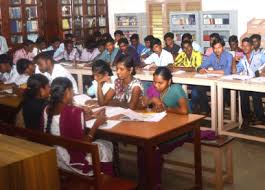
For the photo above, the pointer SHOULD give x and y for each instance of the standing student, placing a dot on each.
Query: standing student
(170, 44)
(249, 65)
(63, 119)
(25, 69)
(35, 100)
(195, 46)
(172, 99)
(135, 42)
(147, 51)
(90, 52)
(3, 45)
(118, 34)
(127, 89)
(110, 52)
(103, 78)
(160, 57)
(26, 52)
(213, 37)
(52, 71)
(221, 63)
(256, 39)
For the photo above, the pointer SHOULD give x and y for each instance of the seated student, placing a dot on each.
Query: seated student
(221, 63)
(40, 46)
(127, 90)
(195, 46)
(189, 58)
(110, 52)
(76, 44)
(97, 35)
(147, 51)
(3, 45)
(103, 78)
(170, 44)
(25, 69)
(26, 52)
(90, 52)
(235, 50)
(135, 42)
(173, 100)
(160, 57)
(256, 39)
(35, 100)
(57, 47)
(118, 34)
(125, 49)
(70, 52)
(249, 65)
(8, 72)
(213, 37)
(52, 71)
(61, 118)
(101, 47)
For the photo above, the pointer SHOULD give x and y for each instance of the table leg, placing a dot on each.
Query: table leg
(233, 105)
(80, 83)
(213, 108)
(149, 167)
(197, 157)
(220, 109)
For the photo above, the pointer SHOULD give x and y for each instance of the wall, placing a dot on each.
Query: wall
(246, 11)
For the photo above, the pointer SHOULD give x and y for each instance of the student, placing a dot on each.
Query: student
(235, 50)
(106, 36)
(135, 42)
(35, 100)
(249, 65)
(52, 71)
(256, 39)
(70, 53)
(110, 52)
(213, 37)
(63, 119)
(97, 35)
(76, 44)
(221, 63)
(195, 46)
(170, 45)
(40, 46)
(189, 58)
(118, 34)
(3, 45)
(103, 78)
(127, 90)
(125, 49)
(8, 72)
(147, 51)
(57, 47)
(160, 57)
(26, 52)
(173, 100)
(25, 69)
(90, 52)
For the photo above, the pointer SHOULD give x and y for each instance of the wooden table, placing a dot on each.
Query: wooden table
(185, 79)
(9, 107)
(150, 134)
(26, 165)
(234, 85)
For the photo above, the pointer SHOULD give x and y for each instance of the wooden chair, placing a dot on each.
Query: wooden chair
(98, 181)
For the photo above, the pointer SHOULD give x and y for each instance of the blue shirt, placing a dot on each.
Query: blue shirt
(256, 61)
(107, 56)
(140, 48)
(225, 62)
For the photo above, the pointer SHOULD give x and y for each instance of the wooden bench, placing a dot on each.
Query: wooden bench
(98, 181)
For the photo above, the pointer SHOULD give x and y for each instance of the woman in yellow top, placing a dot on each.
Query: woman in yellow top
(188, 59)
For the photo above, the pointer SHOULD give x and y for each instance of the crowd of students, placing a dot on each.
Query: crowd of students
(49, 88)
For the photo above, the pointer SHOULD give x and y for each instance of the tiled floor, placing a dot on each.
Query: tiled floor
(249, 168)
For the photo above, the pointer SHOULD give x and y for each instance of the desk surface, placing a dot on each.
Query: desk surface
(149, 130)
(10, 101)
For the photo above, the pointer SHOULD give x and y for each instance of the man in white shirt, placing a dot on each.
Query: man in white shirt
(160, 57)
(3, 45)
(47, 67)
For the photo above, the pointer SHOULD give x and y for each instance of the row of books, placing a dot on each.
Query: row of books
(183, 20)
(15, 12)
(127, 21)
(216, 21)
(32, 26)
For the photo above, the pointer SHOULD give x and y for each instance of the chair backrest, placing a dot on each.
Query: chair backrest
(51, 140)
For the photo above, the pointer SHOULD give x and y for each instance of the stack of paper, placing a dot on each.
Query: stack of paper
(131, 115)
(178, 72)
(212, 75)
(108, 125)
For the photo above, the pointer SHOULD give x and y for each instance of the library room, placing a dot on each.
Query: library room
(132, 95)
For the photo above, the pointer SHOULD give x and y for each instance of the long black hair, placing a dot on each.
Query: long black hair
(58, 88)
(101, 67)
(34, 84)
(128, 62)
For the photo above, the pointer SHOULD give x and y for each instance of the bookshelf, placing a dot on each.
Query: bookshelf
(83, 17)
(131, 23)
(185, 22)
(24, 20)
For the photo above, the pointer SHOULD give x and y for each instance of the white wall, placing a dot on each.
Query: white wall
(124, 6)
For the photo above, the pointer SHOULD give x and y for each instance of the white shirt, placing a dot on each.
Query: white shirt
(3, 45)
(10, 77)
(59, 71)
(164, 59)
(89, 56)
(22, 79)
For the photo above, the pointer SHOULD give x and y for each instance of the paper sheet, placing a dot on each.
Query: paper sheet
(81, 99)
(236, 77)
(110, 124)
(178, 72)
(131, 115)
(258, 80)
(111, 111)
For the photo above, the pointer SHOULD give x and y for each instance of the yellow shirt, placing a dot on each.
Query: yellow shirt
(183, 61)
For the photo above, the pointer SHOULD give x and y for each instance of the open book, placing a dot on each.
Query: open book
(131, 115)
